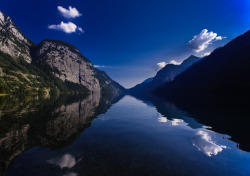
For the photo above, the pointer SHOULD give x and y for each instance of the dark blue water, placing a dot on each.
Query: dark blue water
(133, 138)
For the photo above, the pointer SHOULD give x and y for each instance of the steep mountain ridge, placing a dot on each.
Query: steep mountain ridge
(167, 74)
(67, 63)
(13, 41)
(170, 71)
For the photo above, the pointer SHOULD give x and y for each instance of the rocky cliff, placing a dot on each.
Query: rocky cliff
(68, 64)
(13, 41)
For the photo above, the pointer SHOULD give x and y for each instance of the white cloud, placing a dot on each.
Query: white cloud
(174, 62)
(69, 13)
(66, 27)
(161, 65)
(203, 142)
(202, 40)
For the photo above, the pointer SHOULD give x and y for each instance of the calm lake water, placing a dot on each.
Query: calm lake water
(73, 136)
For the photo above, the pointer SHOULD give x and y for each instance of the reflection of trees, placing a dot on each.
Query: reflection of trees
(45, 121)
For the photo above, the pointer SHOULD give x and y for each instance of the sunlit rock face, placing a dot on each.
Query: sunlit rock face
(68, 64)
(204, 143)
(12, 40)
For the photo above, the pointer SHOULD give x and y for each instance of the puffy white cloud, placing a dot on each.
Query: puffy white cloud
(174, 62)
(202, 40)
(66, 27)
(203, 142)
(161, 65)
(71, 12)
(65, 161)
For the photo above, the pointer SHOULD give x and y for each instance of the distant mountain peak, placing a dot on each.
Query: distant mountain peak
(190, 60)
(192, 56)
(165, 75)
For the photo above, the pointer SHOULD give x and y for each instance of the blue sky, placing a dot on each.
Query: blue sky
(127, 38)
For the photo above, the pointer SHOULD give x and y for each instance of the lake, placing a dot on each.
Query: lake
(99, 136)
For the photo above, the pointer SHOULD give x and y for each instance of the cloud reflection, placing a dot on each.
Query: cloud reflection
(65, 161)
(162, 120)
(203, 142)
(174, 122)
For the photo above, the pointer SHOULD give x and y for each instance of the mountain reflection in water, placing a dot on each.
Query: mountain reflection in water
(44, 136)
(47, 121)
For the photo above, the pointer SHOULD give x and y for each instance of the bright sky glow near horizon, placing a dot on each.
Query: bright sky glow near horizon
(127, 38)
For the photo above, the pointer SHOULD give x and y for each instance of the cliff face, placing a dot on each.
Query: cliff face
(108, 85)
(67, 63)
(13, 41)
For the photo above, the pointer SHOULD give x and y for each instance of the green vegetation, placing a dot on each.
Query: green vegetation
(107, 89)
(20, 77)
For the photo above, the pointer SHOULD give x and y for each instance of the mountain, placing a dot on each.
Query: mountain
(223, 74)
(67, 63)
(13, 41)
(167, 74)
(139, 88)
(51, 65)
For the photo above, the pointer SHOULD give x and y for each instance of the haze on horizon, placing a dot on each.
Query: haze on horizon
(131, 40)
